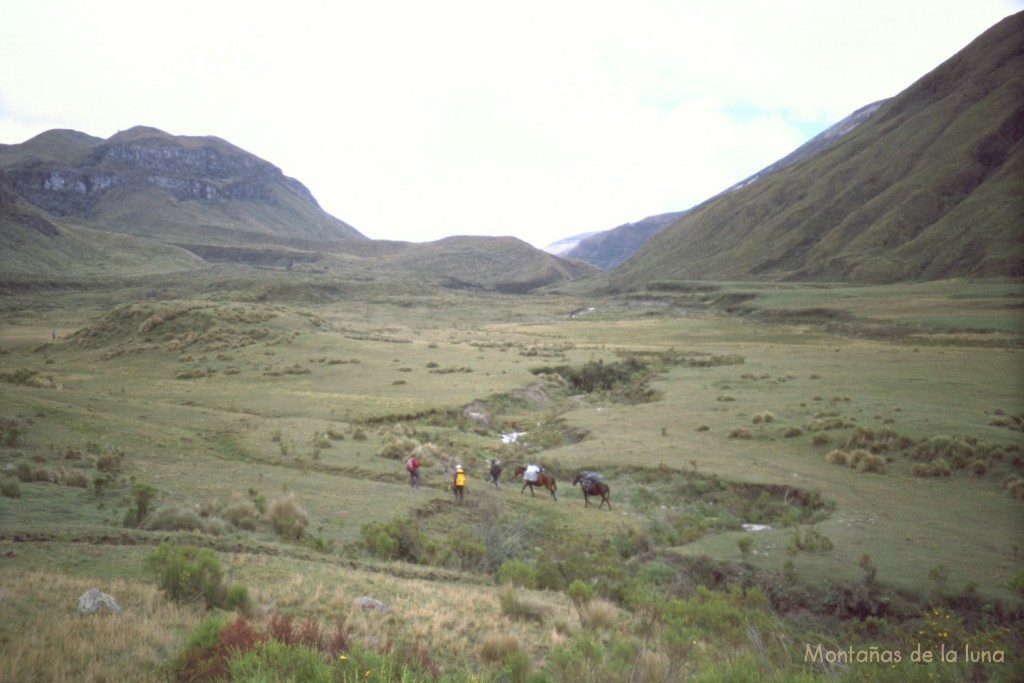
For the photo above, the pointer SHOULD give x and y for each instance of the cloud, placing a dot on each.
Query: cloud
(414, 120)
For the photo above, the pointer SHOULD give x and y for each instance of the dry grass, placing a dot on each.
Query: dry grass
(598, 614)
(45, 639)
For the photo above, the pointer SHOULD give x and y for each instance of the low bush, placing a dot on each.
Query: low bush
(498, 648)
(598, 614)
(188, 574)
(178, 519)
(864, 461)
(242, 514)
(238, 599)
(76, 479)
(517, 607)
(288, 519)
(9, 488)
(517, 573)
(836, 457)
(935, 468)
(1015, 487)
(740, 433)
(812, 541)
(12, 431)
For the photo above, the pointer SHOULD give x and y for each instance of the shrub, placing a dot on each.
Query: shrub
(812, 541)
(188, 574)
(321, 440)
(792, 432)
(77, 479)
(836, 457)
(517, 573)
(598, 614)
(936, 468)
(871, 463)
(288, 519)
(270, 660)
(397, 447)
(764, 417)
(520, 608)
(179, 519)
(497, 648)
(12, 431)
(9, 488)
(143, 495)
(238, 599)
(740, 433)
(1015, 487)
(242, 514)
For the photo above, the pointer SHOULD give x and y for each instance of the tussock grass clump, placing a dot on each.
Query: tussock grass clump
(1001, 419)
(865, 461)
(183, 519)
(935, 468)
(878, 441)
(241, 514)
(397, 447)
(763, 418)
(827, 423)
(518, 607)
(497, 648)
(859, 459)
(598, 614)
(740, 433)
(12, 431)
(9, 488)
(76, 479)
(1015, 487)
(288, 519)
(792, 432)
(836, 456)
(811, 541)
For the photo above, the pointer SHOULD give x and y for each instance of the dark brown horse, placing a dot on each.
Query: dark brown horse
(591, 487)
(543, 479)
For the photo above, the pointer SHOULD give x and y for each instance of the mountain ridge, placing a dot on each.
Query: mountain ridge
(927, 188)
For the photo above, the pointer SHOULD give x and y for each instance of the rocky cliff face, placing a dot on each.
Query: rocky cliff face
(69, 174)
(188, 168)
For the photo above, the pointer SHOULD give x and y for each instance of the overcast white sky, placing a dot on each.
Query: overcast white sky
(418, 119)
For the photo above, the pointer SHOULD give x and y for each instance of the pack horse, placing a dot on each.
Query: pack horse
(533, 476)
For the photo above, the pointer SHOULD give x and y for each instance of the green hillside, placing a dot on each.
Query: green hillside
(929, 187)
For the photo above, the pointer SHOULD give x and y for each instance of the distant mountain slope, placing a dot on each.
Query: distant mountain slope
(565, 245)
(34, 248)
(928, 187)
(610, 248)
(175, 189)
(503, 264)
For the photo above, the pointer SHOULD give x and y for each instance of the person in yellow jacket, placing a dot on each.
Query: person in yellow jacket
(459, 482)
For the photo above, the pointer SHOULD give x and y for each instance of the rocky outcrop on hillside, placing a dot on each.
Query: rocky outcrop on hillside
(100, 182)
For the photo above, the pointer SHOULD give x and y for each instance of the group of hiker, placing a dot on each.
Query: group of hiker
(458, 485)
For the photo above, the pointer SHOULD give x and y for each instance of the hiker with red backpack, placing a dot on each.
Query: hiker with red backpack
(412, 466)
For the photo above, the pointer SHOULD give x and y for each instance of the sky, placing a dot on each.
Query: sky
(415, 120)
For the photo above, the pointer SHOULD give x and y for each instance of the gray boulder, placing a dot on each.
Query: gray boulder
(94, 600)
